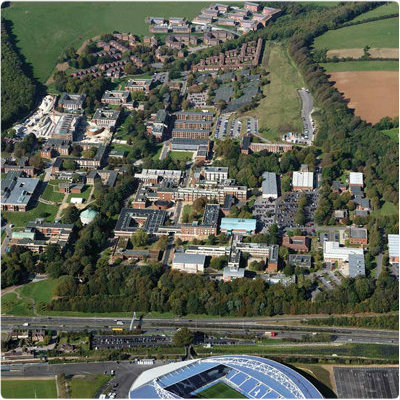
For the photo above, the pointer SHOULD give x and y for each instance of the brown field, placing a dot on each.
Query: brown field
(372, 94)
(354, 53)
(379, 52)
(383, 52)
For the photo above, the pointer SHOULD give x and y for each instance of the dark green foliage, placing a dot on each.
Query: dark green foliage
(17, 89)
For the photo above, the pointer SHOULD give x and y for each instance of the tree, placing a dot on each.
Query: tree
(71, 215)
(285, 183)
(69, 165)
(199, 205)
(36, 161)
(183, 337)
(162, 243)
(140, 238)
(219, 262)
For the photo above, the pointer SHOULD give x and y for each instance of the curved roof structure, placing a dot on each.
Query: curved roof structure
(253, 377)
(88, 216)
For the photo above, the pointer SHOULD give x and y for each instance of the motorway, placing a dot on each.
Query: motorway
(125, 373)
(220, 325)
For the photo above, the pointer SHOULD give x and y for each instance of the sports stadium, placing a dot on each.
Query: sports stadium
(245, 377)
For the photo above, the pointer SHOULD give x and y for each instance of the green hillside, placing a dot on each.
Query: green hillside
(382, 33)
(57, 25)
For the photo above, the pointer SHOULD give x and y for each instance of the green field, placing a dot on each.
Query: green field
(57, 25)
(85, 194)
(181, 155)
(385, 65)
(219, 391)
(87, 387)
(51, 195)
(386, 352)
(12, 305)
(393, 134)
(38, 293)
(383, 33)
(388, 209)
(25, 389)
(386, 9)
(321, 3)
(19, 219)
(279, 111)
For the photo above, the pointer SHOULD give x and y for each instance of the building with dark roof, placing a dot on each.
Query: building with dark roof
(72, 102)
(132, 219)
(299, 260)
(18, 193)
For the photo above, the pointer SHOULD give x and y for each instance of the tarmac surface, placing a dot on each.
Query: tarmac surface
(125, 372)
(367, 383)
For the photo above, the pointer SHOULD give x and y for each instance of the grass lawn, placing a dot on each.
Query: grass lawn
(393, 134)
(219, 391)
(383, 33)
(279, 111)
(85, 194)
(51, 195)
(70, 23)
(181, 155)
(385, 65)
(19, 219)
(159, 150)
(388, 209)
(3, 235)
(12, 305)
(25, 389)
(39, 291)
(87, 388)
(386, 9)
(387, 352)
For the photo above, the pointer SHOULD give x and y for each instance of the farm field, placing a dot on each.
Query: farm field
(373, 101)
(87, 387)
(386, 65)
(25, 389)
(386, 9)
(279, 110)
(378, 52)
(65, 29)
(382, 33)
(219, 391)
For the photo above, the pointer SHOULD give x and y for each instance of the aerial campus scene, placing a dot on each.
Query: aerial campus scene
(199, 200)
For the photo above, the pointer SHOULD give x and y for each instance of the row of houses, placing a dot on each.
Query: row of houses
(247, 56)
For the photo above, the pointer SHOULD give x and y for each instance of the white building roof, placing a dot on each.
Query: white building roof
(332, 250)
(356, 178)
(393, 245)
(303, 179)
(269, 186)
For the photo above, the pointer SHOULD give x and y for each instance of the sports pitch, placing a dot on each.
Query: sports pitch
(28, 389)
(219, 391)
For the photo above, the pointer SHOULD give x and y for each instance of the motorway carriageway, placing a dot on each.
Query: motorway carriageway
(239, 326)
